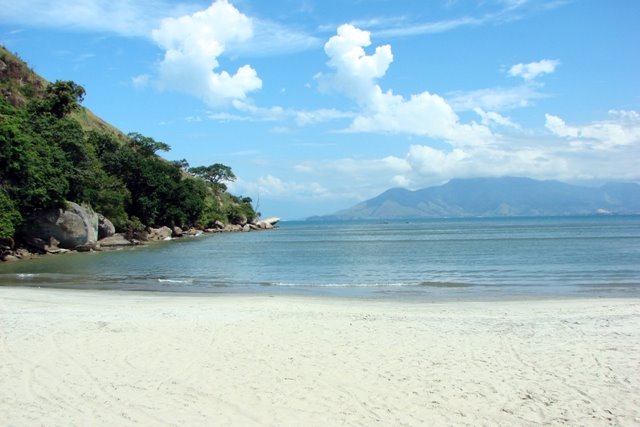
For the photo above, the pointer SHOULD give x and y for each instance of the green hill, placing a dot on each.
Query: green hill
(53, 150)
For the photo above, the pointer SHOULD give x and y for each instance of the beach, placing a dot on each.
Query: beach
(74, 357)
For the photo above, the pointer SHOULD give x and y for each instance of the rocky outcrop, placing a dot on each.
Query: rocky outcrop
(162, 233)
(77, 228)
(71, 227)
(105, 227)
(268, 223)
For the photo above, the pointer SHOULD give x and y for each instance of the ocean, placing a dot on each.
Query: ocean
(434, 259)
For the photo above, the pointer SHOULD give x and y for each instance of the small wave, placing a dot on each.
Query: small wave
(337, 285)
(445, 285)
(175, 280)
(26, 275)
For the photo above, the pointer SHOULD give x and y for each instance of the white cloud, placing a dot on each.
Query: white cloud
(488, 13)
(492, 119)
(423, 114)
(533, 69)
(310, 117)
(355, 71)
(622, 129)
(122, 17)
(245, 110)
(558, 126)
(137, 18)
(275, 187)
(141, 80)
(494, 99)
(193, 44)
(271, 38)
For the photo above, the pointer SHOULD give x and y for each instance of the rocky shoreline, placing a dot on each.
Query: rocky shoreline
(79, 229)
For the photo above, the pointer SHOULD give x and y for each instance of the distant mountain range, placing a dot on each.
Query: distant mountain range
(490, 197)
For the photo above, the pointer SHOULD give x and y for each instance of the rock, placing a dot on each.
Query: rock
(74, 226)
(271, 220)
(6, 243)
(52, 247)
(159, 233)
(36, 243)
(219, 225)
(193, 232)
(254, 227)
(117, 240)
(53, 243)
(177, 232)
(264, 225)
(246, 228)
(240, 220)
(142, 236)
(9, 258)
(105, 227)
(23, 253)
(56, 251)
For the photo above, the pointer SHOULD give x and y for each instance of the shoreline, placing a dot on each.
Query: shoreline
(122, 358)
(119, 241)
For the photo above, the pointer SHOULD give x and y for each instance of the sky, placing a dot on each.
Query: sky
(319, 104)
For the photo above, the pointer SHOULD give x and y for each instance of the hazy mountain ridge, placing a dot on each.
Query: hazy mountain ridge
(506, 196)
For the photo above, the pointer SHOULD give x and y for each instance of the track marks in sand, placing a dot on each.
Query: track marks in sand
(169, 361)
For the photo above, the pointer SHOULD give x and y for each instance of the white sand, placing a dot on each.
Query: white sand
(106, 358)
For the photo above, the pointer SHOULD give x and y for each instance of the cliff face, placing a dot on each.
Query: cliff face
(497, 197)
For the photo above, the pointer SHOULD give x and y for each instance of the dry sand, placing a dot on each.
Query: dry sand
(108, 358)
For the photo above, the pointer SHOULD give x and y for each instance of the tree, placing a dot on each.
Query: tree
(145, 145)
(215, 175)
(61, 98)
(9, 216)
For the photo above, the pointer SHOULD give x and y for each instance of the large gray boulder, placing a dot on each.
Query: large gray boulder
(71, 227)
(105, 227)
(268, 223)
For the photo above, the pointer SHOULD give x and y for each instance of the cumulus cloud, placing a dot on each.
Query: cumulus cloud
(533, 69)
(620, 130)
(355, 71)
(193, 43)
(356, 74)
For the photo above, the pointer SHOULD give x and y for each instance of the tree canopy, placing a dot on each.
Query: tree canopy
(47, 158)
(215, 174)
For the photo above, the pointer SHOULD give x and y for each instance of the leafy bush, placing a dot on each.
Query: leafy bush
(9, 216)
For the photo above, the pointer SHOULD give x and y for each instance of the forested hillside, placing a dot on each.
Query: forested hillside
(53, 150)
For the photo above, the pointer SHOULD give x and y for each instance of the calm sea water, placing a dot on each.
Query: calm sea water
(426, 259)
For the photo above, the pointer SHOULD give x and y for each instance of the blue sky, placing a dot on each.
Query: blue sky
(317, 105)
